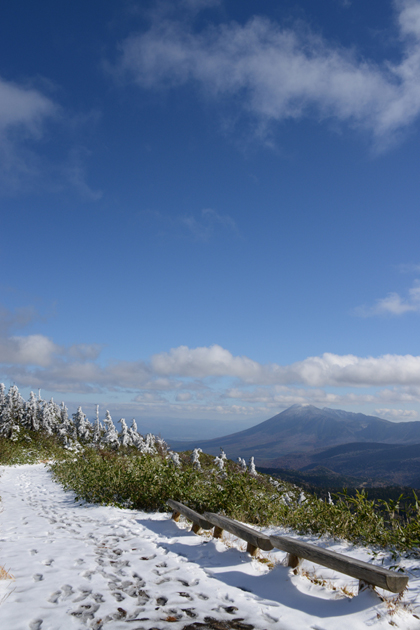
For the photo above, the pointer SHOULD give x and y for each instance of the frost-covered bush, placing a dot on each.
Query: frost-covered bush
(220, 460)
(195, 458)
(20, 421)
(174, 459)
(242, 464)
(252, 469)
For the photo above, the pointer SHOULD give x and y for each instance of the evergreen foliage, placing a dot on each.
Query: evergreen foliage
(48, 425)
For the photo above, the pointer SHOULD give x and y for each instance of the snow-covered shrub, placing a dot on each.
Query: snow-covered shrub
(174, 458)
(252, 470)
(125, 437)
(195, 458)
(110, 436)
(242, 464)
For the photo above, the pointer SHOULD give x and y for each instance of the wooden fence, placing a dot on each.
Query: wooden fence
(363, 571)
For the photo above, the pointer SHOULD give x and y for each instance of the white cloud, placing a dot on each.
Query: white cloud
(276, 73)
(26, 115)
(393, 304)
(211, 380)
(23, 114)
(183, 397)
(203, 362)
(85, 351)
(23, 108)
(30, 350)
(206, 225)
(327, 369)
(349, 370)
(168, 370)
(397, 415)
(150, 398)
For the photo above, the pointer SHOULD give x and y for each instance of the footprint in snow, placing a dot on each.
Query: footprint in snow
(67, 590)
(55, 597)
(38, 577)
(85, 611)
(118, 596)
(84, 593)
(48, 563)
(36, 624)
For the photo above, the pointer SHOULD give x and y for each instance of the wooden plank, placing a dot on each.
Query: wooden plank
(175, 515)
(242, 531)
(189, 514)
(292, 560)
(217, 532)
(388, 580)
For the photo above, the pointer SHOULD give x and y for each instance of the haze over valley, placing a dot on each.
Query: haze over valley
(306, 438)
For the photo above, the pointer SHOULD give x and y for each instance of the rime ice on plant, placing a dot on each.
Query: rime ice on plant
(97, 428)
(110, 437)
(125, 438)
(242, 464)
(37, 415)
(83, 426)
(220, 460)
(174, 458)
(195, 458)
(252, 470)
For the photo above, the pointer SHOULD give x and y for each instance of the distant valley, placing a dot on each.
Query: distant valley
(307, 439)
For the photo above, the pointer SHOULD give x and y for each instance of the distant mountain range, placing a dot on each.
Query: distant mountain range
(306, 438)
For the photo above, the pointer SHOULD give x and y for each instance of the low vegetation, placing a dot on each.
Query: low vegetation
(129, 470)
(146, 482)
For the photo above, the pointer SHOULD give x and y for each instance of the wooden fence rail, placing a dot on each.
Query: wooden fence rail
(363, 571)
(256, 540)
(198, 521)
(296, 549)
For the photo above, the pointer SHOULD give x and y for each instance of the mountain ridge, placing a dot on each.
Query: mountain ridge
(301, 437)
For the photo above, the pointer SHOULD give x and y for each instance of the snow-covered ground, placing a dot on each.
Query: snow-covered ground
(78, 565)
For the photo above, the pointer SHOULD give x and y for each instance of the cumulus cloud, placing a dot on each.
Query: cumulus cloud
(327, 369)
(333, 369)
(203, 362)
(393, 304)
(171, 370)
(213, 380)
(29, 350)
(276, 73)
(397, 415)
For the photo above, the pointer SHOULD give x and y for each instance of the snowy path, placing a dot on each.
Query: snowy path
(87, 566)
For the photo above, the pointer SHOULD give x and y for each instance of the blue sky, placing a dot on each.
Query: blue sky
(210, 209)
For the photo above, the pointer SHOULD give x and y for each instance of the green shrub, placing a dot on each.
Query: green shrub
(146, 482)
(30, 447)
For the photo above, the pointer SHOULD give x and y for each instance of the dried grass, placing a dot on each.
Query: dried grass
(5, 575)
